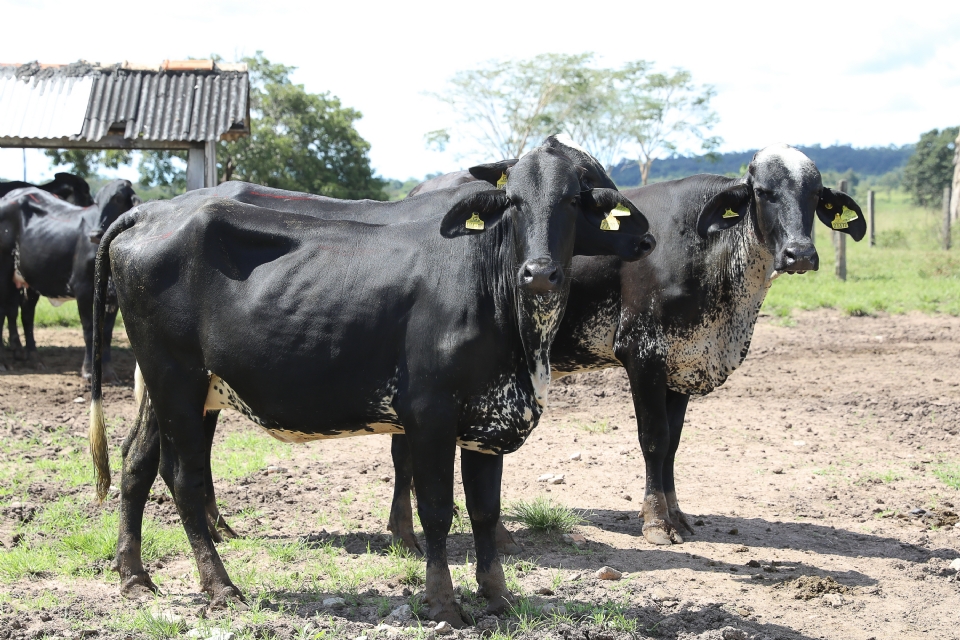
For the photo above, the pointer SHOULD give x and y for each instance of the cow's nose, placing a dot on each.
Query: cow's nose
(541, 276)
(799, 257)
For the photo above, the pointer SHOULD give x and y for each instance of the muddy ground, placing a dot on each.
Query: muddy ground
(823, 478)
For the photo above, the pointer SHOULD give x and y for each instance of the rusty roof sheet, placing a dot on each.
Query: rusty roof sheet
(179, 100)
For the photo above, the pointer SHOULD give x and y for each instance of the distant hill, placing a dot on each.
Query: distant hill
(869, 161)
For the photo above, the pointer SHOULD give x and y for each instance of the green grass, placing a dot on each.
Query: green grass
(949, 474)
(542, 514)
(242, 453)
(906, 271)
(597, 427)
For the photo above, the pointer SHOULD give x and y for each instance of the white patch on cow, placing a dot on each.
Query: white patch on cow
(595, 335)
(793, 160)
(564, 139)
(139, 387)
(56, 302)
(221, 396)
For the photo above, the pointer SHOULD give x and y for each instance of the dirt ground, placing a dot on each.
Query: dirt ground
(818, 477)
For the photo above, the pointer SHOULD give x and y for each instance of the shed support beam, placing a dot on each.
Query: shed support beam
(210, 163)
(195, 168)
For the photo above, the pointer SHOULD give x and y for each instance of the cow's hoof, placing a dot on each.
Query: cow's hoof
(228, 598)
(506, 545)
(499, 603)
(679, 522)
(3, 367)
(137, 586)
(408, 541)
(450, 613)
(19, 353)
(659, 532)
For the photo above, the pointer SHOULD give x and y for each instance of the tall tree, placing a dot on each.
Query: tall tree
(930, 168)
(87, 162)
(507, 107)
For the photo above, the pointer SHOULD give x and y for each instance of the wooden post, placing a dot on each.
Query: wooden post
(871, 216)
(195, 168)
(840, 244)
(210, 163)
(946, 218)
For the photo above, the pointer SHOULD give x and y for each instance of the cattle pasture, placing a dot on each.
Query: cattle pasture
(815, 453)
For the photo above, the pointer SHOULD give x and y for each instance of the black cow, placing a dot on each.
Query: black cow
(53, 245)
(439, 328)
(681, 321)
(66, 186)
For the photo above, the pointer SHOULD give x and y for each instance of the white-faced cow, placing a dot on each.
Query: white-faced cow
(66, 186)
(681, 321)
(51, 248)
(439, 328)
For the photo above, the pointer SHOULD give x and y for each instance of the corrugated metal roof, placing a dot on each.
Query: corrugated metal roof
(176, 101)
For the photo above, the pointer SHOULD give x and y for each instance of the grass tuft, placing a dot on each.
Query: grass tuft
(949, 474)
(542, 514)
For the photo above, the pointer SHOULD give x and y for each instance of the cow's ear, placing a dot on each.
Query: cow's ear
(495, 172)
(840, 212)
(611, 225)
(724, 210)
(474, 213)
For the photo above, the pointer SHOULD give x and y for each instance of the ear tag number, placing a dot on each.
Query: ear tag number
(502, 182)
(620, 211)
(730, 213)
(474, 222)
(610, 223)
(843, 220)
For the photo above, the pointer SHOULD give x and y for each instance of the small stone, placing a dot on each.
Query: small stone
(731, 633)
(955, 565)
(608, 573)
(754, 563)
(556, 479)
(78, 400)
(213, 633)
(334, 602)
(45, 617)
(545, 591)
(778, 471)
(443, 628)
(733, 531)
(741, 548)
(698, 523)
(385, 478)
(166, 615)
(834, 600)
(623, 451)
(799, 443)
(275, 469)
(547, 477)
(576, 456)
(628, 497)
(401, 614)
(917, 512)
(575, 539)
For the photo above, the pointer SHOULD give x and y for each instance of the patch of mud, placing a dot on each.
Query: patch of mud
(810, 587)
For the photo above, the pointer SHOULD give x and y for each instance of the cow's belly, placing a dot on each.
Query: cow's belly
(383, 417)
(702, 359)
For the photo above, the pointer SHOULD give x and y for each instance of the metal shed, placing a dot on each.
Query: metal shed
(180, 104)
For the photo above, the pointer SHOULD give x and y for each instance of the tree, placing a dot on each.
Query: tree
(298, 141)
(930, 168)
(666, 113)
(86, 162)
(507, 107)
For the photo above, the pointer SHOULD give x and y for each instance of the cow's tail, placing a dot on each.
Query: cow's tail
(98, 432)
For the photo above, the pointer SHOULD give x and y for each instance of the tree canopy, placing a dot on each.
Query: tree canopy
(507, 107)
(930, 168)
(298, 140)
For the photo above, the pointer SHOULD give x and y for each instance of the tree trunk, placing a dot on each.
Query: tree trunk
(645, 172)
(955, 192)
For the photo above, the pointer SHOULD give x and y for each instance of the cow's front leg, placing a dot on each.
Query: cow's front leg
(401, 511)
(11, 312)
(28, 312)
(433, 450)
(648, 383)
(676, 412)
(481, 475)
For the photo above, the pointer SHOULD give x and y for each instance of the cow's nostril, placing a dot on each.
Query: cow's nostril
(554, 276)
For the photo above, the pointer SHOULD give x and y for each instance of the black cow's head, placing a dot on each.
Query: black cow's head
(542, 204)
(113, 199)
(71, 188)
(780, 194)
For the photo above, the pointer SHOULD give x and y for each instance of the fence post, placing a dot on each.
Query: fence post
(840, 244)
(946, 218)
(873, 222)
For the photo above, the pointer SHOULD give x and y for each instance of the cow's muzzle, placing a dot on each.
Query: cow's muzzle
(798, 258)
(541, 276)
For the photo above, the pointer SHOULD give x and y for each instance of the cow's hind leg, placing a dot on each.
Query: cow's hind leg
(401, 511)
(141, 458)
(481, 483)
(218, 527)
(11, 313)
(28, 312)
(676, 411)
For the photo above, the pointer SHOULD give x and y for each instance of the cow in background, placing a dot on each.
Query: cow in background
(66, 186)
(681, 321)
(52, 249)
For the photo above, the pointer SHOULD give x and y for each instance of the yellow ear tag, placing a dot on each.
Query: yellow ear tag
(730, 213)
(620, 211)
(843, 220)
(475, 223)
(502, 182)
(838, 222)
(610, 223)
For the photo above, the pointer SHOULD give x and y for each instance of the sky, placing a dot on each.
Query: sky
(798, 72)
